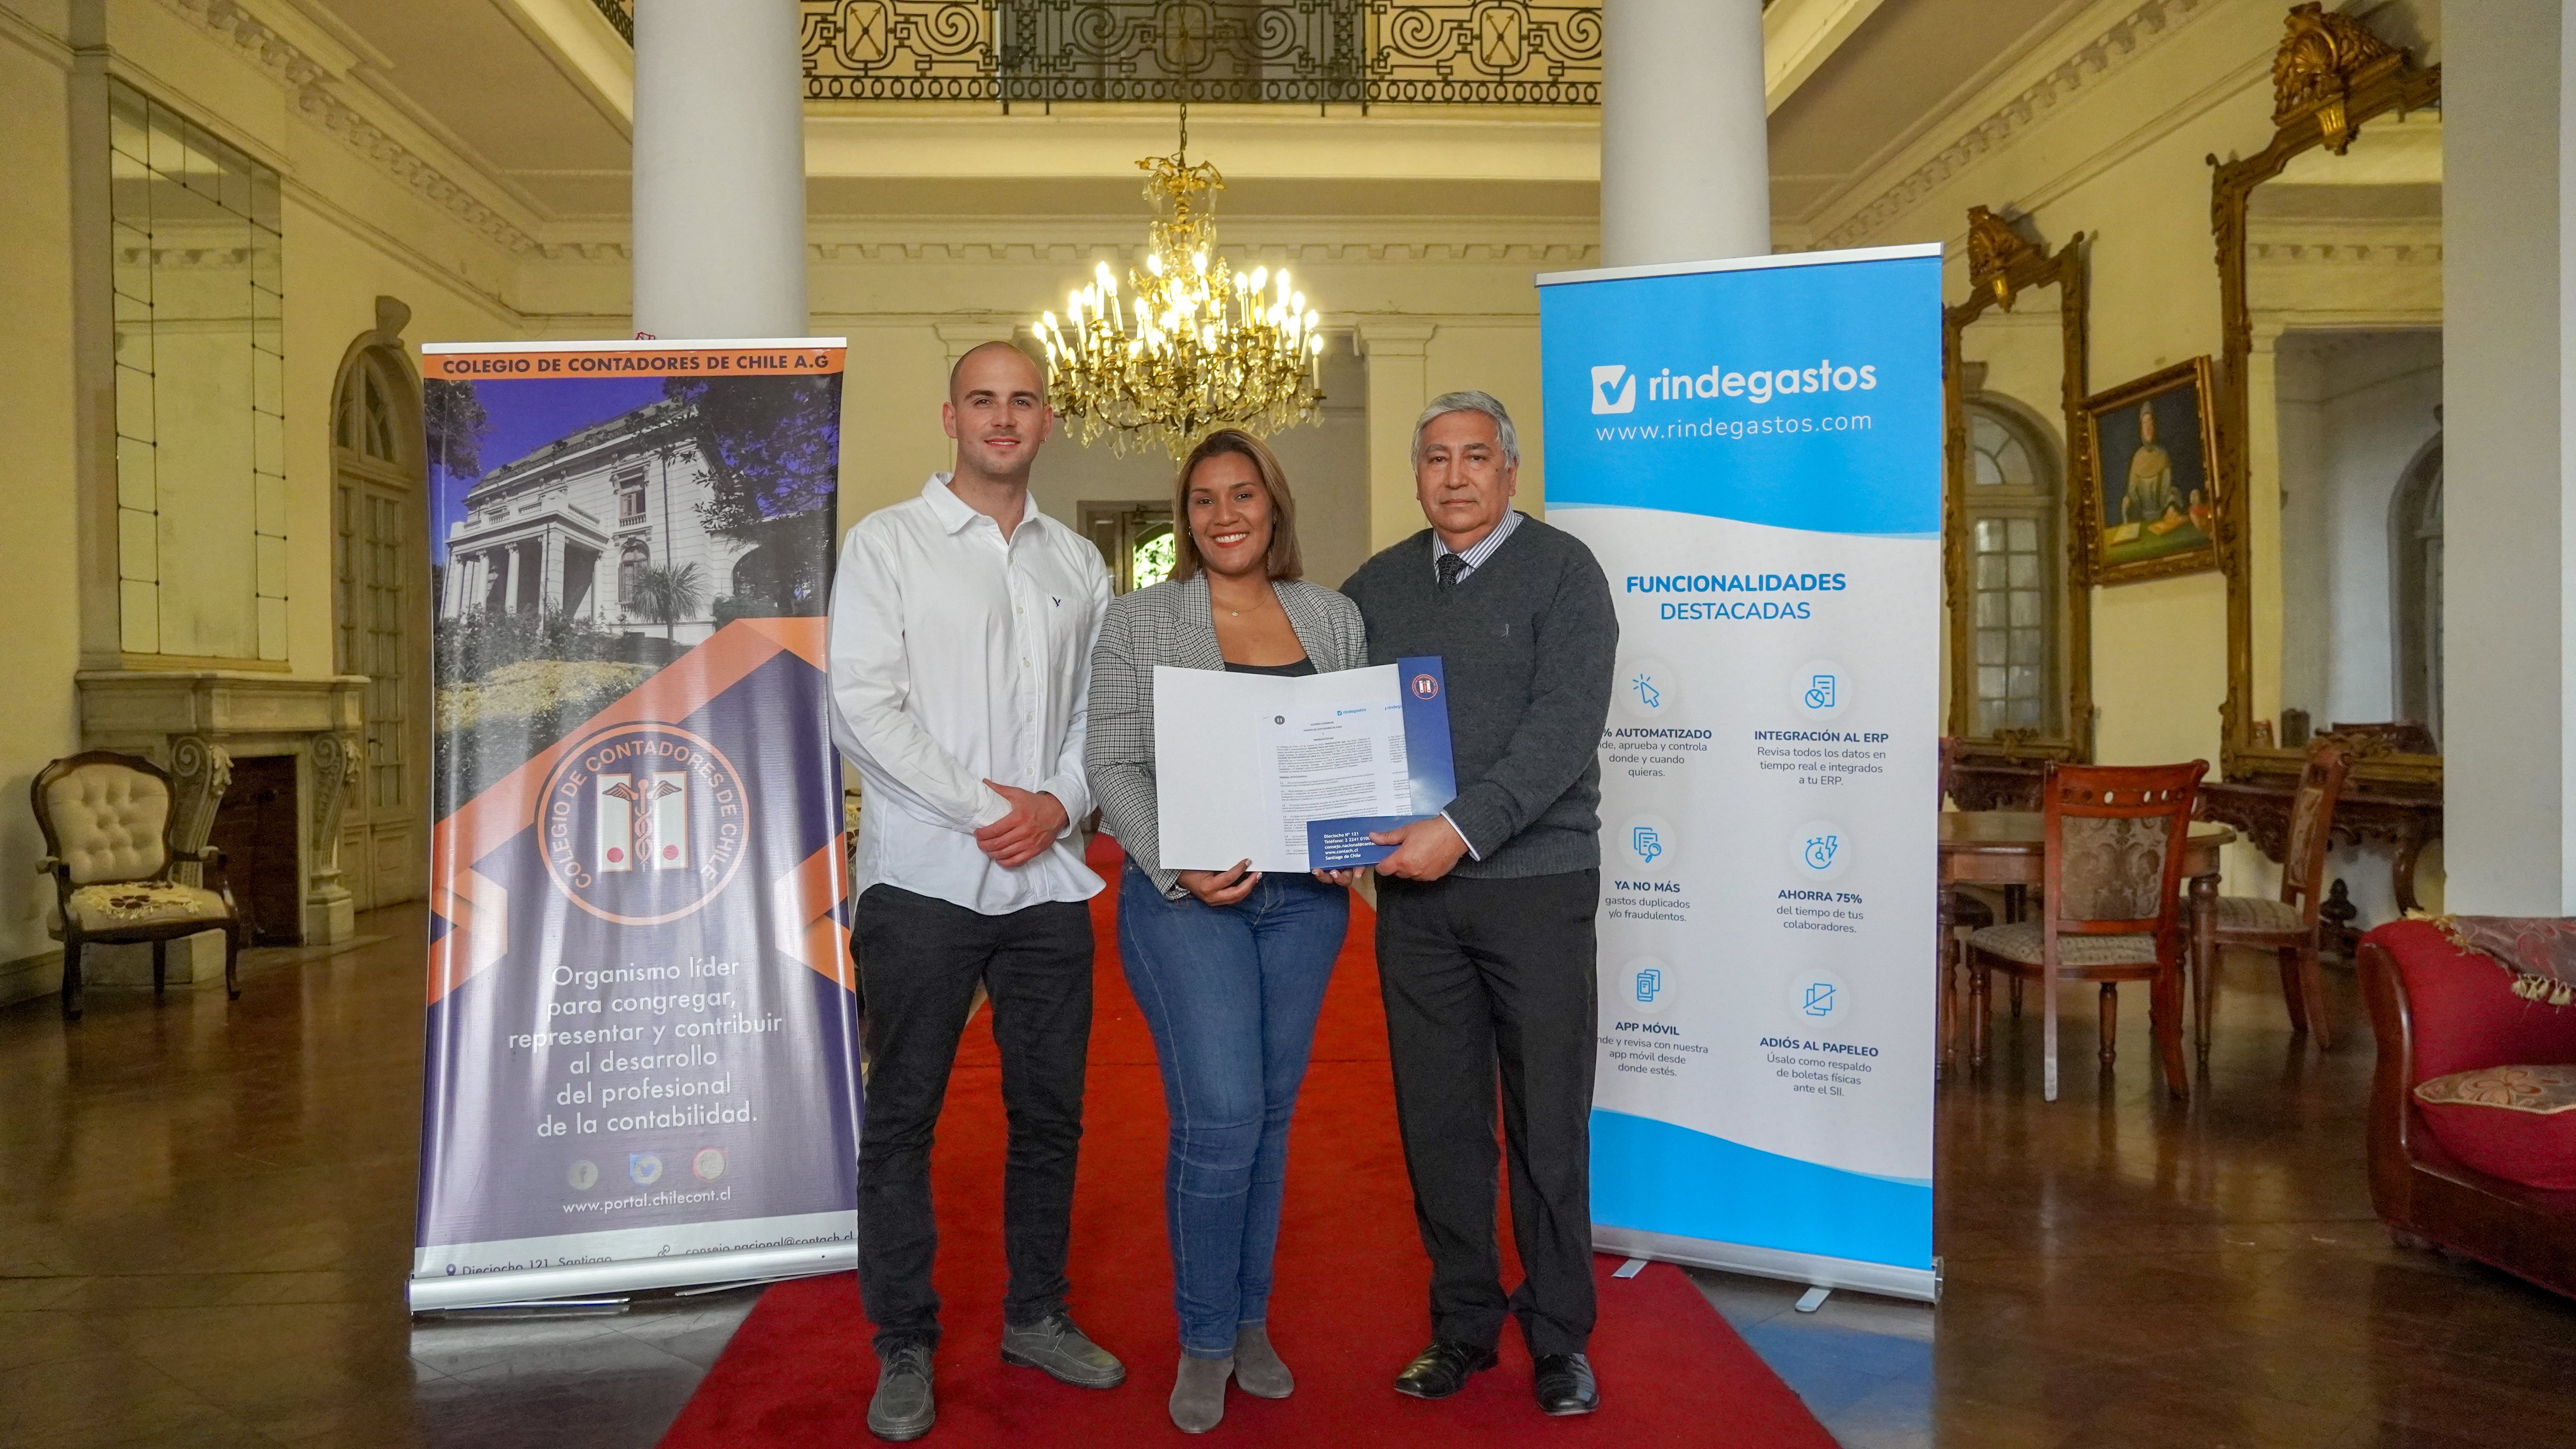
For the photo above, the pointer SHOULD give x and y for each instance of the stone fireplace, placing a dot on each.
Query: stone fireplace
(200, 725)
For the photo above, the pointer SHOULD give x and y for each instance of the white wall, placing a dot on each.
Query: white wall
(2505, 805)
(2355, 410)
(356, 225)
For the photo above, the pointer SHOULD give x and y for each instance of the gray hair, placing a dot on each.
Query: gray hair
(1470, 402)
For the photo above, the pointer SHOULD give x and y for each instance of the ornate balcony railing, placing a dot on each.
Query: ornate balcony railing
(1285, 52)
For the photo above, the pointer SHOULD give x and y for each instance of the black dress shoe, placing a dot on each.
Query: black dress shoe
(1442, 1369)
(1565, 1384)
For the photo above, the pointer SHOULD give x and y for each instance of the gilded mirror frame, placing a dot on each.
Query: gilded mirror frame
(2329, 76)
(2003, 264)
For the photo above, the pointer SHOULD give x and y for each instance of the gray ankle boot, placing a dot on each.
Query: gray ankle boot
(1257, 1366)
(1198, 1395)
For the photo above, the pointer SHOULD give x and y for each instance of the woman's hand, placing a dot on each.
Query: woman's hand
(1349, 877)
(1220, 887)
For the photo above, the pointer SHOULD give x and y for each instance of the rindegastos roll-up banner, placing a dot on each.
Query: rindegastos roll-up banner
(642, 1065)
(1753, 451)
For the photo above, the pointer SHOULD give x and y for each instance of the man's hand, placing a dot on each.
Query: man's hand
(1424, 850)
(1024, 834)
(1220, 887)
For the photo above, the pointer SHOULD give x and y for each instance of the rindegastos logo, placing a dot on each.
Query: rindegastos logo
(1609, 394)
(643, 823)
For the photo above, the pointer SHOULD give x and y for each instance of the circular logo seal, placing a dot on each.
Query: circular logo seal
(643, 823)
(1425, 687)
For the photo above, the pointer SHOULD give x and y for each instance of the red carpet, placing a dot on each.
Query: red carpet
(1348, 1310)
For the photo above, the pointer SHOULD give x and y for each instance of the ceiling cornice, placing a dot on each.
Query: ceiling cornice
(309, 85)
(2013, 105)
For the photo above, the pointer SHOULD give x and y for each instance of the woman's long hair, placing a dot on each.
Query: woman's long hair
(1283, 560)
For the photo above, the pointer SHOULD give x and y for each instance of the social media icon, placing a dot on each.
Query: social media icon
(1646, 843)
(709, 1164)
(582, 1175)
(1649, 982)
(644, 1167)
(1609, 393)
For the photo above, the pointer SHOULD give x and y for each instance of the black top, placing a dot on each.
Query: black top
(1527, 642)
(1303, 666)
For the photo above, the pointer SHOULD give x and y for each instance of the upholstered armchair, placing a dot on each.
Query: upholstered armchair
(107, 820)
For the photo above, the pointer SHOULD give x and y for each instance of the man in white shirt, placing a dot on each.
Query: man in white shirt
(962, 626)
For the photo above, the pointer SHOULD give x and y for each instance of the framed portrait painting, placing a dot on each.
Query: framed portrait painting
(2154, 503)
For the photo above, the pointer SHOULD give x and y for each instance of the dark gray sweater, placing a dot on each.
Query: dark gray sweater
(1527, 643)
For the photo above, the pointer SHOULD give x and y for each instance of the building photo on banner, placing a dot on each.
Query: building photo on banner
(1753, 451)
(642, 1069)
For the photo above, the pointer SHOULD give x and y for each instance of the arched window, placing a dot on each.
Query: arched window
(380, 607)
(632, 559)
(2012, 503)
(2415, 567)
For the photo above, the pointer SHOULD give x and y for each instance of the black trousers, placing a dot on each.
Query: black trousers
(1488, 979)
(919, 959)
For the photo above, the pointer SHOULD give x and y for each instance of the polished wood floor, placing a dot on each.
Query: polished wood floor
(205, 1218)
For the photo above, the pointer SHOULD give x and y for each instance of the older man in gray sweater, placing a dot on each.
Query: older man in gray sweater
(1485, 911)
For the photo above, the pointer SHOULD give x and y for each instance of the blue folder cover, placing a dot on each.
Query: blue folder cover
(1340, 844)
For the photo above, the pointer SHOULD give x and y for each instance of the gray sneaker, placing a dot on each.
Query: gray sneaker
(1055, 1345)
(903, 1408)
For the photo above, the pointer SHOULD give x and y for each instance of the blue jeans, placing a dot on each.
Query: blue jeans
(1231, 993)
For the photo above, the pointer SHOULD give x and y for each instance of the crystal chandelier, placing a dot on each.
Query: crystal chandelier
(1192, 345)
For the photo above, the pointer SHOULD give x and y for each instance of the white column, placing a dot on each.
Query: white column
(719, 169)
(550, 582)
(2506, 813)
(510, 599)
(1685, 140)
(1398, 388)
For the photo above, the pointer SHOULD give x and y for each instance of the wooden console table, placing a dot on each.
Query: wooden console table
(2408, 821)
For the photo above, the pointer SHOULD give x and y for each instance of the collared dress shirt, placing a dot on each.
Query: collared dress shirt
(958, 657)
(1468, 559)
(1479, 551)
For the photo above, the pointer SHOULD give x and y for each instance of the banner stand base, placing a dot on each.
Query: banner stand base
(532, 1287)
(1813, 1269)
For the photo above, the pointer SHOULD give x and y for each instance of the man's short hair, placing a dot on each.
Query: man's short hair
(959, 366)
(1470, 402)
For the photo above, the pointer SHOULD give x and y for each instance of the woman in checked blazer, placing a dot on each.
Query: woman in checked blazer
(1229, 966)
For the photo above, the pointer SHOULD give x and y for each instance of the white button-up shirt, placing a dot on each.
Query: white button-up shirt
(956, 658)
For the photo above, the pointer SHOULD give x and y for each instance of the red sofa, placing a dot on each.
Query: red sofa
(2440, 1010)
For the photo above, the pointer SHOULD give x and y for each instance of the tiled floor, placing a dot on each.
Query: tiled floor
(205, 1218)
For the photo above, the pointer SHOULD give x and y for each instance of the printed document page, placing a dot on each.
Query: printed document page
(1243, 761)
(1337, 751)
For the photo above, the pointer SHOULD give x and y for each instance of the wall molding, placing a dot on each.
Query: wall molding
(1564, 254)
(306, 82)
(2110, 50)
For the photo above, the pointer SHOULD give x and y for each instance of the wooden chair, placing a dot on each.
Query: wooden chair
(1965, 910)
(106, 819)
(2110, 905)
(2288, 926)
